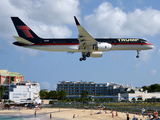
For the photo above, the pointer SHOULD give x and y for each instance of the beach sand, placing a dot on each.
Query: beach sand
(67, 114)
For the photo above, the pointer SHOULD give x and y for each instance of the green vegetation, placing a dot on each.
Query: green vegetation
(152, 88)
(84, 94)
(60, 95)
(2, 90)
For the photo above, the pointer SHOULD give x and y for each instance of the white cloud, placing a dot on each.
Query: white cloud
(53, 12)
(47, 18)
(45, 85)
(109, 21)
(153, 72)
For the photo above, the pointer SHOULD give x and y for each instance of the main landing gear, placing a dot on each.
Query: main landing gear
(137, 53)
(84, 55)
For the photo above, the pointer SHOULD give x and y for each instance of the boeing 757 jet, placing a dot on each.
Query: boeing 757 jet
(85, 43)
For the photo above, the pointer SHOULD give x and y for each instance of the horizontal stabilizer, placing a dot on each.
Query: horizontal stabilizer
(22, 40)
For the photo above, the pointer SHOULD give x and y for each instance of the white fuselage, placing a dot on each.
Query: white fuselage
(74, 48)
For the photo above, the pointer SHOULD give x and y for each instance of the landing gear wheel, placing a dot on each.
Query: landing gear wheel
(80, 59)
(137, 56)
(88, 55)
(84, 58)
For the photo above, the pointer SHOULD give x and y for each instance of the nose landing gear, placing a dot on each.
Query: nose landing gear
(137, 53)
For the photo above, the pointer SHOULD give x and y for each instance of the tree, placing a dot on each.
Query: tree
(2, 90)
(110, 99)
(96, 100)
(53, 94)
(145, 88)
(154, 88)
(125, 89)
(106, 99)
(139, 99)
(84, 94)
(132, 91)
(61, 95)
(43, 94)
(101, 99)
(134, 99)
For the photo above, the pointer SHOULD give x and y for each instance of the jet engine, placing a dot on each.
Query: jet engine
(96, 54)
(102, 47)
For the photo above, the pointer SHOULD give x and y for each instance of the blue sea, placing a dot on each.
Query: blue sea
(17, 117)
(26, 117)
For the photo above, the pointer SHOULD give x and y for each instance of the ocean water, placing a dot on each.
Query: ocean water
(17, 117)
(27, 117)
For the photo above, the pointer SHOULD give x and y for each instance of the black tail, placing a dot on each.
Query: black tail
(24, 31)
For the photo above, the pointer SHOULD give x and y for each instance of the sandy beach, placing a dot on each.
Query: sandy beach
(67, 114)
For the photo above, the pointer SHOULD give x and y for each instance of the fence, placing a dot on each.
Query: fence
(129, 108)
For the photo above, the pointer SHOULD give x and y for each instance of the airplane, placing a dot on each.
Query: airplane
(85, 43)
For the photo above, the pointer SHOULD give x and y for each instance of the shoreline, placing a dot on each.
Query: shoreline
(67, 114)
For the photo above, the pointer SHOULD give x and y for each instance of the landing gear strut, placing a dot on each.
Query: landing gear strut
(137, 53)
(84, 55)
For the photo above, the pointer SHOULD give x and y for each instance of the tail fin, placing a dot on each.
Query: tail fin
(23, 30)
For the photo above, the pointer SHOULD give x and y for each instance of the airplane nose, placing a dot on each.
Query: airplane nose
(151, 46)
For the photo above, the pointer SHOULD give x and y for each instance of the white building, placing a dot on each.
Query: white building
(24, 91)
(136, 95)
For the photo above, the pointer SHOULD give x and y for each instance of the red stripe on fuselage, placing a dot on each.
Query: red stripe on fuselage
(36, 44)
(130, 43)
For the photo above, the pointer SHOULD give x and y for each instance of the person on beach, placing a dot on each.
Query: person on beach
(106, 111)
(155, 115)
(74, 116)
(112, 114)
(35, 113)
(50, 116)
(116, 113)
(127, 115)
(143, 110)
(149, 115)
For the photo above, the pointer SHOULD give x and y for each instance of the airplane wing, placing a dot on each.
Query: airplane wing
(85, 39)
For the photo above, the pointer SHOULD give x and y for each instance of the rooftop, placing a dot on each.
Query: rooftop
(12, 74)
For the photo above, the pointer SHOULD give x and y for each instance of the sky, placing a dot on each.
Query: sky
(101, 18)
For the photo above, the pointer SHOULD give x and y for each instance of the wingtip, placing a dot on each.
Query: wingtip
(77, 23)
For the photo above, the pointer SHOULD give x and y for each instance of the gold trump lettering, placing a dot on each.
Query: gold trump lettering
(128, 40)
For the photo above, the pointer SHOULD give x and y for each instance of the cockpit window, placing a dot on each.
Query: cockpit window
(144, 41)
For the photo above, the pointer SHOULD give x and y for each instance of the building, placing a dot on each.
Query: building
(10, 77)
(143, 95)
(76, 88)
(23, 91)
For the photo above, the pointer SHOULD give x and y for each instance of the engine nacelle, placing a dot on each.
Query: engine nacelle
(102, 47)
(96, 54)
